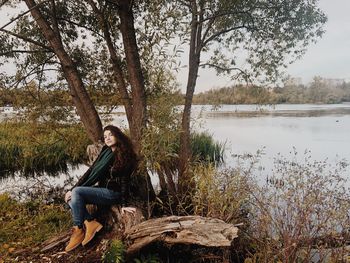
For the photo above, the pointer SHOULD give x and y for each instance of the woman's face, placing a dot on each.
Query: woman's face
(110, 139)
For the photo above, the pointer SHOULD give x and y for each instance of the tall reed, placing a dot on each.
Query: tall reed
(35, 148)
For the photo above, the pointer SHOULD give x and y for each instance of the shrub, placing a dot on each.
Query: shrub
(301, 211)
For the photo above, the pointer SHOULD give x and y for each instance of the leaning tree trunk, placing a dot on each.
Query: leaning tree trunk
(81, 99)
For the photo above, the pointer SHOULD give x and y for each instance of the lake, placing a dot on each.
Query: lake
(321, 129)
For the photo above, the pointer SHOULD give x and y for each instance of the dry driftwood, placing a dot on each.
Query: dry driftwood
(197, 230)
(55, 241)
(123, 223)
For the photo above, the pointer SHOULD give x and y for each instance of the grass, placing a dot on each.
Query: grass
(205, 149)
(27, 224)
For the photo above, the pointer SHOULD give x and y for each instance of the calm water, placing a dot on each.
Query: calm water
(322, 129)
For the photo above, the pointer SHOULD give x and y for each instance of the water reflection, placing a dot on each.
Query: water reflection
(16, 181)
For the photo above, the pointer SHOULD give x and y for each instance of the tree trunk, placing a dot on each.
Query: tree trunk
(81, 99)
(185, 182)
(115, 61)
(136, 79)
(139, 110)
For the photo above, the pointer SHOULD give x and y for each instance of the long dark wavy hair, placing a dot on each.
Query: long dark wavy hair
(125, 156)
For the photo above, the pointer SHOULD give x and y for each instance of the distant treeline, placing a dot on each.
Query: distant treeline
(319, 91)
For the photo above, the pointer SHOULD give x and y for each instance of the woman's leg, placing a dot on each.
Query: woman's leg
(83, 195)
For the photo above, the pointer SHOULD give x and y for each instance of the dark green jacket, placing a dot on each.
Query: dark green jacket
(108, 177)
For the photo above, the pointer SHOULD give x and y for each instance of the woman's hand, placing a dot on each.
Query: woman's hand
(68, 196)
(129, 209)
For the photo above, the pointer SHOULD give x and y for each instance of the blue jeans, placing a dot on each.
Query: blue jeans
(83, 195)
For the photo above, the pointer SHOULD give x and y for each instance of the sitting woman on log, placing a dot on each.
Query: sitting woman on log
(106, 182)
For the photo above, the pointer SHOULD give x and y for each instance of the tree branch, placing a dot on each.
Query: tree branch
(199, 30)
(242, 72)
(212, 18)
(23, 51)
(20, 15)
(26, 39)
(114, 58)
(54, 20)
(79, 25)
(210, 23)
(3, 2)
(34, 71)
(224, 14)
(221, 33)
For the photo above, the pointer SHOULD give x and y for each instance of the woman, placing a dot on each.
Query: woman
(110, 173)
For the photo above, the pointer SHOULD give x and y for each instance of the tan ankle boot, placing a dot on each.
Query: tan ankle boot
(76, 238)
(92, 227)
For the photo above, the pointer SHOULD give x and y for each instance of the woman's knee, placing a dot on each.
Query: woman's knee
(76, 192)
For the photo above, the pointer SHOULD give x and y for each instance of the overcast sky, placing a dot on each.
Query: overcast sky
(328, 58)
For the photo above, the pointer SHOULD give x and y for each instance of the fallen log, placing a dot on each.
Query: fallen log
(204, 231)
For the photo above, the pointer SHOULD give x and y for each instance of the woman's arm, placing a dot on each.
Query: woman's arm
(83, 179)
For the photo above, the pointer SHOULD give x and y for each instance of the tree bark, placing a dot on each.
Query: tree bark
(139, 107)
(81, 99)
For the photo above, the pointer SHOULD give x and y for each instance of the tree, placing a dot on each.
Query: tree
(111, 58)
(269, 33)
(56, 38)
